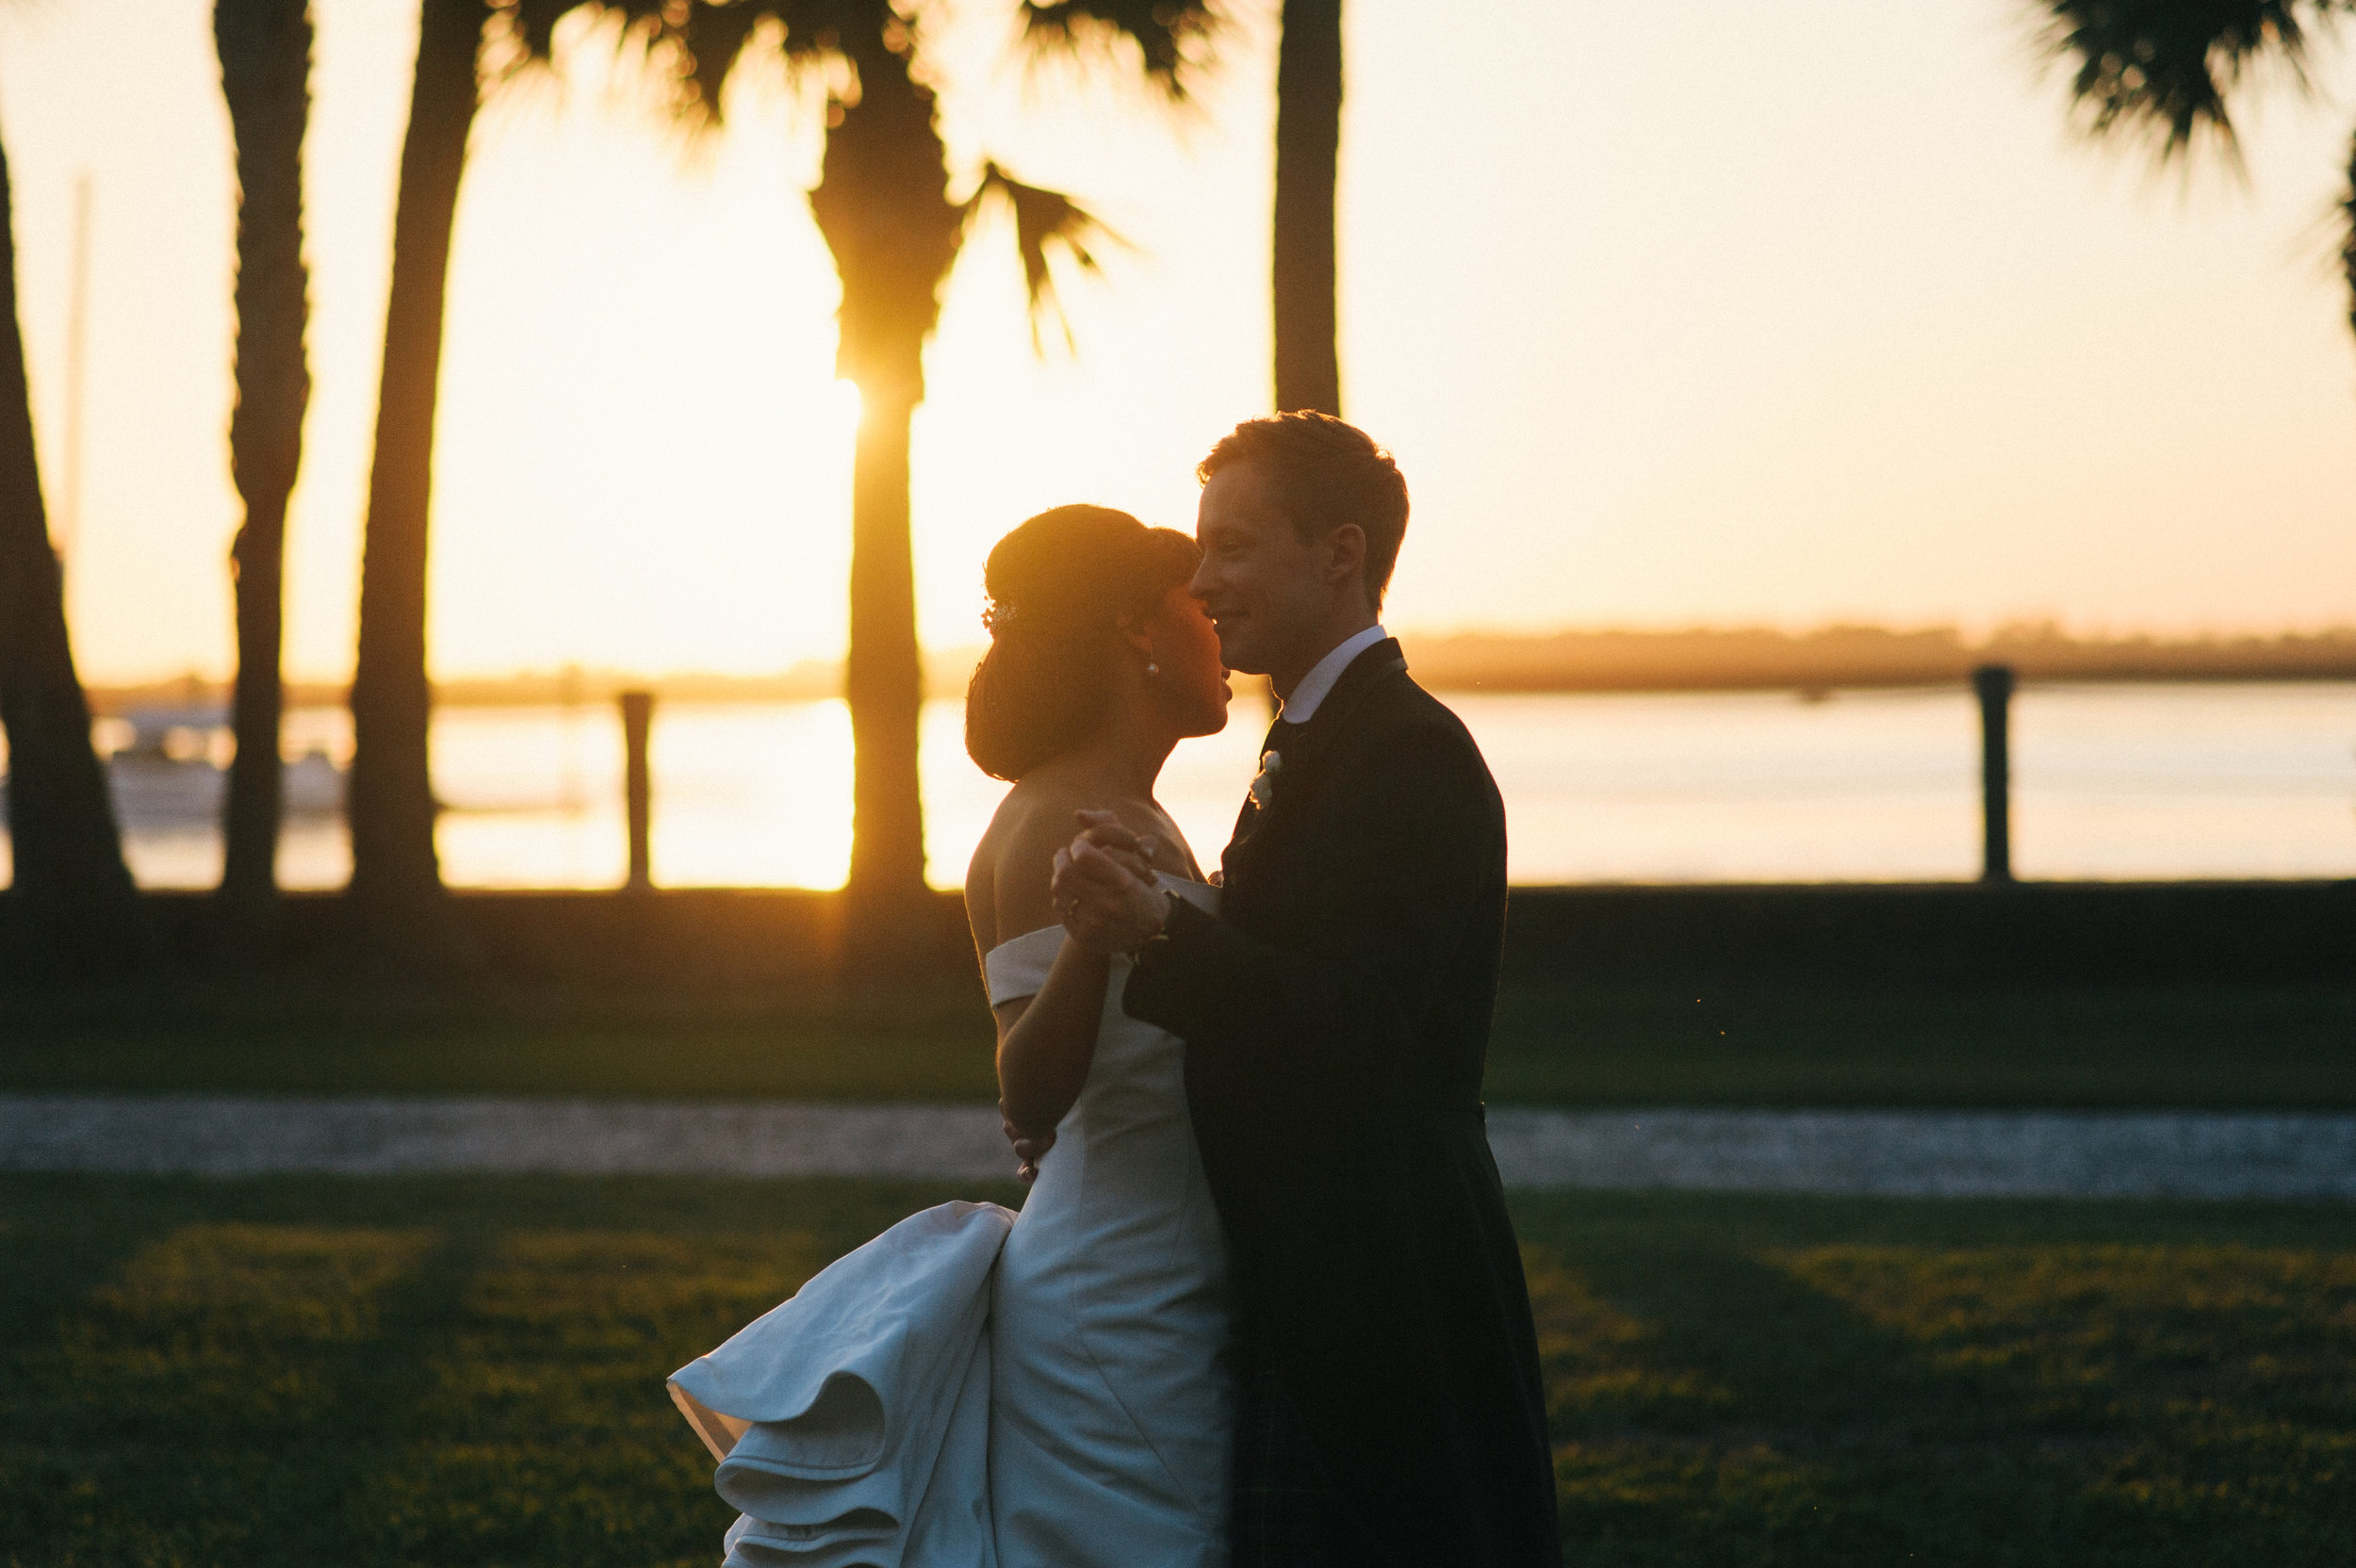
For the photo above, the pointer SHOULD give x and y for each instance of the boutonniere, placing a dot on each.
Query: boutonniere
(1264, 782)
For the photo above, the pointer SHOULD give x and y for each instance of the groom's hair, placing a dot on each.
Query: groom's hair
(1325, 473)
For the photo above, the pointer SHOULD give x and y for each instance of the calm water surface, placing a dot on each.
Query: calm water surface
(2111, 782)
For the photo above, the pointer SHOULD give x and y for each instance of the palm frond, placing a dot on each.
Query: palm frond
(2347, 239)
(2169, 66)
(1171, 37)
(530, 26)
(1044, 218)
(703, 40)
(710, 39)
(534, 22)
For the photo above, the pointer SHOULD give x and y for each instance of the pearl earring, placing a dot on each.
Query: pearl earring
(1152, 668)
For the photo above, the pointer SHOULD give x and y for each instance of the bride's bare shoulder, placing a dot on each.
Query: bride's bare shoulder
(1032, 823)
(1007, 882)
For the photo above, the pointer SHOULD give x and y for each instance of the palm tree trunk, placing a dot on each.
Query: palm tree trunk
(1308, 150)
(70, 881)
(395, 873)
(883, 677)
(882, 204)
(265, 49)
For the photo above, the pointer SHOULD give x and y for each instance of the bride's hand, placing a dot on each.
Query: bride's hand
(1028, 1146)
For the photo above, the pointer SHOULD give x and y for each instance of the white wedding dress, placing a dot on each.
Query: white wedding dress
(976, 1388)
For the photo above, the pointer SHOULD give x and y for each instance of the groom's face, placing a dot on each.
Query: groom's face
(1265, 589)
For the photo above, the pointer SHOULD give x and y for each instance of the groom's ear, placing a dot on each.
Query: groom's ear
(1346, 554)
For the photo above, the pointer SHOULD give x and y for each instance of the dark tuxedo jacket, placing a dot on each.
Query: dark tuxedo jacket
(1335, 1014)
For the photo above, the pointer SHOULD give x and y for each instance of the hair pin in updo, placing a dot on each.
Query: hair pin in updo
(1001, 616)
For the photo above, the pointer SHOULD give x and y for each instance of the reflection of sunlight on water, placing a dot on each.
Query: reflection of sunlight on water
(2111, 782)
(750, 797)
(2254, 781)
(1735, 786)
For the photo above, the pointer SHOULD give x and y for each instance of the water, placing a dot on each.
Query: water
(2111, 783)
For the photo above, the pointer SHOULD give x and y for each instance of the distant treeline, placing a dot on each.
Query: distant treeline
(1696, 660)
(1852, 656)
(813, 678)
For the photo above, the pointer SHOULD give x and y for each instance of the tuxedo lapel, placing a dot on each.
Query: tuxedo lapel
(1279, 790)
(1248, 815)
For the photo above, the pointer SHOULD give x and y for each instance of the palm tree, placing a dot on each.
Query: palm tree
(70, 879)
(1308, 150)
(883, 204)
(2165, 67)
(265, 50)
(395, 876)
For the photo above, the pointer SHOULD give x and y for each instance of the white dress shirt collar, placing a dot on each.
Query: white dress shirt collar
(1310, 695)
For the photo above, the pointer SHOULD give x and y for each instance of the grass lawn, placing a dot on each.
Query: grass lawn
(467, 1371)
(2213, 1047)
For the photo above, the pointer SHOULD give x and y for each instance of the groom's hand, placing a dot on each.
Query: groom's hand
(1134, 850)
(1106, 907)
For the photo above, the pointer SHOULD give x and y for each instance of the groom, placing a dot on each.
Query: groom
(1335, 1014)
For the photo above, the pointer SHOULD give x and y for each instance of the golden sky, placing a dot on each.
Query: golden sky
(1695, 311)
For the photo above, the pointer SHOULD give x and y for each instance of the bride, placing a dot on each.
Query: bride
(1048, 1389)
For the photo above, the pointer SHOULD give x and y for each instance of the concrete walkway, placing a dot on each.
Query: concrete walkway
(1955, 1153)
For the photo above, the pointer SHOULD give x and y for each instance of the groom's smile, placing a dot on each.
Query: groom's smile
(1259, 580)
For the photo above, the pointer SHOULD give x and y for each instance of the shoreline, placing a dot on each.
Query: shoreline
(1742, 659)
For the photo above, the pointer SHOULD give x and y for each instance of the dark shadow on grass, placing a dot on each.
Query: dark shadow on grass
(1737, 1416)
(60, 1237)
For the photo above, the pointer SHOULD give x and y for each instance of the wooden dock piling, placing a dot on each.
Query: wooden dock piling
(1994, 684)
(637, 721)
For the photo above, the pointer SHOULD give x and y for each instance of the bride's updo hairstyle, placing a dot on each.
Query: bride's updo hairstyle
(1059, 587)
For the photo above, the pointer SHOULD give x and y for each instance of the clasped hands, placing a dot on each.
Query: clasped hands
(1103, 888)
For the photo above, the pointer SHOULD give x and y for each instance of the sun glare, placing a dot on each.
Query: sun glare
(644, 453)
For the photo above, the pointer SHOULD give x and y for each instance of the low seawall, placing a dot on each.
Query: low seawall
(1932, 935)
(1909, 936)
